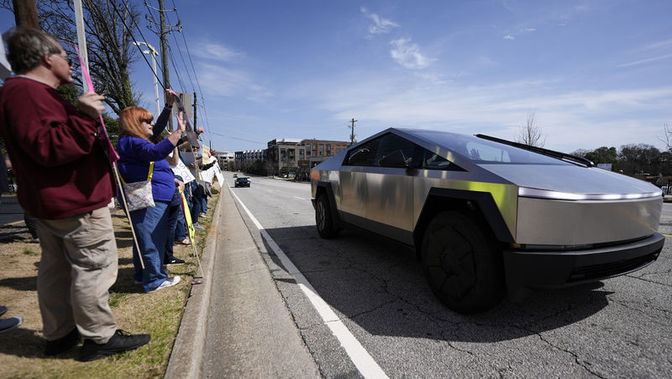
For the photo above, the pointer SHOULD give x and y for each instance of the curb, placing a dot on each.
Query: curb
(186, 357)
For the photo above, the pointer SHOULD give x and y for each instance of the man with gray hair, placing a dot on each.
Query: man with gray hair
(65, 182)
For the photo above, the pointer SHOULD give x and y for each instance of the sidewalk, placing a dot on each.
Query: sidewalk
(236, 324)
(12, 226)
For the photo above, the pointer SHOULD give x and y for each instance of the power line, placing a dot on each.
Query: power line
(191, 81)
(236, 138)
(177, 72)
(192, 66)
(130, 32)
(175, 67)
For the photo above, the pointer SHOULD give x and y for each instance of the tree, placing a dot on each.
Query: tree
(531, 133)
(641, 158)
(109, 43)
(632, 159)
(603, 155)
(667, 136)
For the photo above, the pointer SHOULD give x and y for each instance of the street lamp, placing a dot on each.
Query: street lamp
(153, 53)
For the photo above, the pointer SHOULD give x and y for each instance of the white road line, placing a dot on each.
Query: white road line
(301, 198)
(366, 365)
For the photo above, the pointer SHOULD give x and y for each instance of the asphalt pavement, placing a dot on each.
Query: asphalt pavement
(12, 226)
(236, 323)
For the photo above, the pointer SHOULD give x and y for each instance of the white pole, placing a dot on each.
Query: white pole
(152, 51)
(156, 83)
(5, 67)
(81, 37)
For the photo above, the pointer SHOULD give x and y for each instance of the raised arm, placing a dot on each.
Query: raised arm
(162, 119)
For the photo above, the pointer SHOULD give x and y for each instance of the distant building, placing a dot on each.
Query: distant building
(288, 157)
(226, 161)
(245, 160)
(319, 150)
(604, 166)
(283, 155)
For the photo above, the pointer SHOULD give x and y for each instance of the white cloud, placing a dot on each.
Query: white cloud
(658, 45)
(220, 81)
(215, 51)
(647, 60)
(408, 54)
(380, 25)
(511, 35)
(571, 119)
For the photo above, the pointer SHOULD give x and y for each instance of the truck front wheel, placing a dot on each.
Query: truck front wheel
(461, 263)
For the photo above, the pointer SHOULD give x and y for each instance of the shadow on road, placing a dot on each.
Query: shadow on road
(379, 284)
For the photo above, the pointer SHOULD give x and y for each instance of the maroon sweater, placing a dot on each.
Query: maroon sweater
(61, 169)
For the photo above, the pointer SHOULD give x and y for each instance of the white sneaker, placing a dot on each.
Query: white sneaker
(167, 283)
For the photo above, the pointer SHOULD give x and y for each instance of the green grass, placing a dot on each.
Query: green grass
(158, 314)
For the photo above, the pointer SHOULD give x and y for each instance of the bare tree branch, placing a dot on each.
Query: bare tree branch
(109, 44)
(531, 134)
(667, 136)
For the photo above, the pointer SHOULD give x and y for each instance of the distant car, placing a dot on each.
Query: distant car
(235, 175)
(242, 182)
(486, 214)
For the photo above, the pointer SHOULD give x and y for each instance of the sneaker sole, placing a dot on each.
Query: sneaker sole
(170, 284)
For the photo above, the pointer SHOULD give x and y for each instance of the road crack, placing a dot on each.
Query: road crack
(642, 278)
(639, 309)
(581, 363)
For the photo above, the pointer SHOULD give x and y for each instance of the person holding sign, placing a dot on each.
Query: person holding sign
(65, 182)
(141, 160)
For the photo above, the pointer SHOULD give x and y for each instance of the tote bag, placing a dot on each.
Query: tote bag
(139, 194)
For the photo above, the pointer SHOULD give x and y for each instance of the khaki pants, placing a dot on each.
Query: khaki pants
(78, 267)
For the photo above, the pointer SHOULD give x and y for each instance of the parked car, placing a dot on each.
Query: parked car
(667, 193)
(486, 215)
(242, 181)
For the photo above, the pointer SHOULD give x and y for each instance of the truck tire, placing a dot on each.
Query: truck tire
(461, 263)
(324, 217)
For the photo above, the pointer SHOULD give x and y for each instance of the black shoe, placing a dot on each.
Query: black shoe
(121, 341)
(63, 344)
(7, 324)
(3, 309)
(175, 261)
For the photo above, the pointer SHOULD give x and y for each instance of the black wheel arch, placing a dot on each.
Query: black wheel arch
(481, 205)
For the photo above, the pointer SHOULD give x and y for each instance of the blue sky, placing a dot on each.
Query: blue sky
(594, 73)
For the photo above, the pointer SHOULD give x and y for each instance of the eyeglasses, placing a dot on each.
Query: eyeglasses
(149, 121)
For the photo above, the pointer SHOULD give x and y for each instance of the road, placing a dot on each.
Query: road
(616, 328)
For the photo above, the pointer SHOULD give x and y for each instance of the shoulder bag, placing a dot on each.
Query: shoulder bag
(139, 194)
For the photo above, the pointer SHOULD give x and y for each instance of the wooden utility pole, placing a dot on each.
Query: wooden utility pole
(352, 131)
(164, 54)
(195, 125)
(25, 13)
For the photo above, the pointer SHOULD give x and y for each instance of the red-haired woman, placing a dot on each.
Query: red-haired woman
(136, 151)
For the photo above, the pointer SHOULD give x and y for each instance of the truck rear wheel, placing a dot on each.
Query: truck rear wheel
(324, 217)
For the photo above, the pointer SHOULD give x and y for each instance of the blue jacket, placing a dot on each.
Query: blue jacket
(136, 153)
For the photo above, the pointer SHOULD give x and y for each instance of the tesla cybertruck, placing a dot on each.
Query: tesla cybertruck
(488, 215)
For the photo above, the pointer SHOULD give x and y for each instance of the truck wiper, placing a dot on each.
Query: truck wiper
(550, 153)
